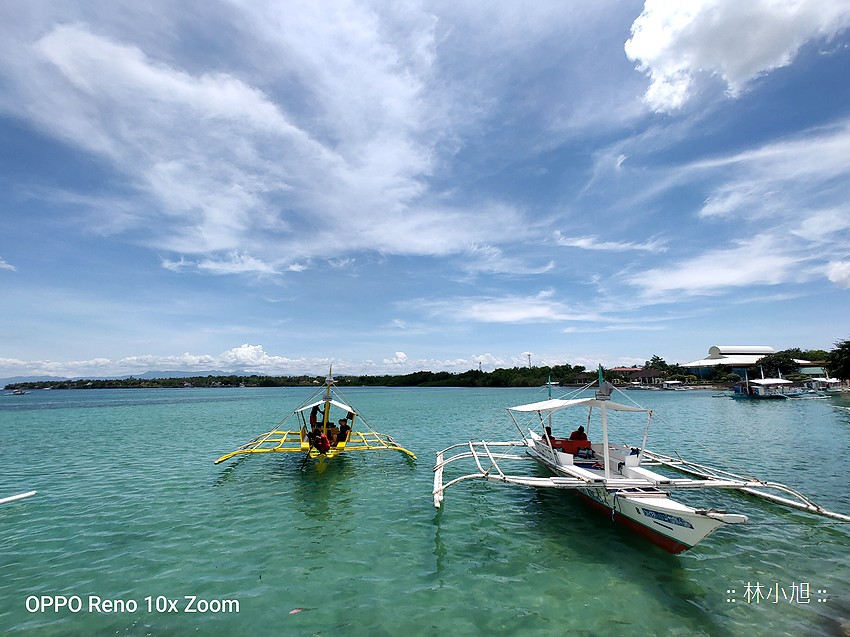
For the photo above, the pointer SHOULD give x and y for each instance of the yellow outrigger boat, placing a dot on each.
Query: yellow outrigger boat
(321, 439)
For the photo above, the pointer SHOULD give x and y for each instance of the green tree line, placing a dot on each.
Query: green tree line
(515, 377)
(837, 360)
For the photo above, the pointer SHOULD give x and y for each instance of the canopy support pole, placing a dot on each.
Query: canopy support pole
(605, 452)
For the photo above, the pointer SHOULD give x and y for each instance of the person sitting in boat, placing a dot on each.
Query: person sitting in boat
(344, 428)
(578, 434)
(322, 443)
(548, 431)
(332, 433)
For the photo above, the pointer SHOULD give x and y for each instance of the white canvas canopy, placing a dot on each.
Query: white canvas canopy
(556, 404)
(322, 402)
(770, 381)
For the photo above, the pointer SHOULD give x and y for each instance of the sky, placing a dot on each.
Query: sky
(274, 187)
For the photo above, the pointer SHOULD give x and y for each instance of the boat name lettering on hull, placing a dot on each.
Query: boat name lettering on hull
(665, 517)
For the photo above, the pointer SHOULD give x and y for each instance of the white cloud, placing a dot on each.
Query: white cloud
(315, 129)
(399, 358)
(789, 197)
(758, 261)
(540, 308)
(675, 40)
(487, 259)
(176, 266)
(247, 359)
(237, 263)
(237, 175)
(617, 327)
(6, 266)
(822, 226)
(839, 273)
(779, 178)
(593, 243)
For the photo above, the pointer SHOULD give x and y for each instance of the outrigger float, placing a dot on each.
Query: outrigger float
(318, 436)
(616, 479)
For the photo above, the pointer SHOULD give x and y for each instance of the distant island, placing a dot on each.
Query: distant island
(514, 377)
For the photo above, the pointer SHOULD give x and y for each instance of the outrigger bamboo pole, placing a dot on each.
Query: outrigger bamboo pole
(20, 496)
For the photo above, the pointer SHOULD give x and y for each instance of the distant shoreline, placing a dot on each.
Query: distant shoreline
(562, 376)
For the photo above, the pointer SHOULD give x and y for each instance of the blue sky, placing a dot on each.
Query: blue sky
(273, 186)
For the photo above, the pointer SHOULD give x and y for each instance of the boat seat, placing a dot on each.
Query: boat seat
(646, 474)
(582, 474)
(569, 446)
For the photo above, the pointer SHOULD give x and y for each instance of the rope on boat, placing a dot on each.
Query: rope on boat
(697, 442)
(507, 425)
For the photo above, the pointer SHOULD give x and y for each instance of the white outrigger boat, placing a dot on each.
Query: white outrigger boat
(611, 477)
(318, 436)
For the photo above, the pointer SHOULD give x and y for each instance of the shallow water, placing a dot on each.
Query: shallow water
(130, 505)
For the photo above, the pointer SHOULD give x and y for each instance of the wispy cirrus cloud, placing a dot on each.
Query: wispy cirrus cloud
(757, 261)
(324, 122)
(592, 242)
(776, 213)
(617, 327)
(779, 178)
(542, 307)
(225, 170)
(488, 259)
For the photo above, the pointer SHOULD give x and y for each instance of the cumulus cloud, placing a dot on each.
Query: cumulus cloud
(248, 359)
(399, 359)
(6, 266)
(839, 273)
(675, 40)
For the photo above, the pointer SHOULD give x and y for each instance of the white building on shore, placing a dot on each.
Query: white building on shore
(738, 357)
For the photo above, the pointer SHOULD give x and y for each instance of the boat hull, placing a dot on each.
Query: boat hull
(666, 523)
(649, 512)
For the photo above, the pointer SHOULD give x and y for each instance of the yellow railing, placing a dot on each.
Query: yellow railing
(357, 441)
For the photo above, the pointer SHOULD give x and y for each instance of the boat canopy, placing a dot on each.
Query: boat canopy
(322, 402)
(771, 381)
(556, 404)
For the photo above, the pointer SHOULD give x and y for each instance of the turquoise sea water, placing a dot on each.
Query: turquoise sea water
(130, 506)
